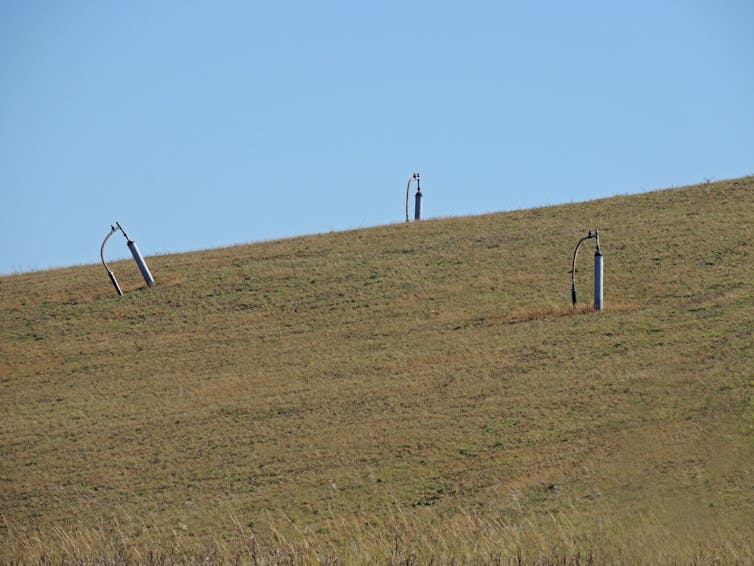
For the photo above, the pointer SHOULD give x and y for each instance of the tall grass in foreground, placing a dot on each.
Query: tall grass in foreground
(467, 538)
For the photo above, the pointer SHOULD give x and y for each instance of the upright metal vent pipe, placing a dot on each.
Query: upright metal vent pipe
(110, 274)
(418, 201)
(598, 264)
(598, 271)
(138, 258)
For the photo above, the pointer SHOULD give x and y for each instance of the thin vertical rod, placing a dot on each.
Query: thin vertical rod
(573, 269)
(408, 190)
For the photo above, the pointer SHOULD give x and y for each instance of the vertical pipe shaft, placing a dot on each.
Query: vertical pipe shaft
(598, 261)
(140, 262)
(418, 205)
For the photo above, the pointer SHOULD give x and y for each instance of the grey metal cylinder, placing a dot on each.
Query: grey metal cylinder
(418, 206)
(598, 281)
(140, 262)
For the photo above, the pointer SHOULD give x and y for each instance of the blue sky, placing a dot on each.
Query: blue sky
(203, 124)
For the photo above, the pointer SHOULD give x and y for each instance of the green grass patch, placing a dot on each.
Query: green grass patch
(407, 393)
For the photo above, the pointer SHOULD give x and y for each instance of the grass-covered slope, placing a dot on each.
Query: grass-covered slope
(418, 389)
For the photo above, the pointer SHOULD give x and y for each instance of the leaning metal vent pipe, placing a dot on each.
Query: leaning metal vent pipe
(598, 271)
(134, 252)
(137, 257)
(418, 197)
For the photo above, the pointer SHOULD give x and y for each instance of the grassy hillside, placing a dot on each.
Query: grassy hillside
(409, 392)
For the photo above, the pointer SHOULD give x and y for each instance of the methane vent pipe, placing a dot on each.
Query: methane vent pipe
(137, 257)
(598, 271)
(417, 198)
(134, 252)
(598, 262)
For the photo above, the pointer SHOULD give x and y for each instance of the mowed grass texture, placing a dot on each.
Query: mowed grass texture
(413, 392)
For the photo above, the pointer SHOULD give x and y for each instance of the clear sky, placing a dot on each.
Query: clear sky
(203, 124)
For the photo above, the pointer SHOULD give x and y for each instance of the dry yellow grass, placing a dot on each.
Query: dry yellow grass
(408, 392)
